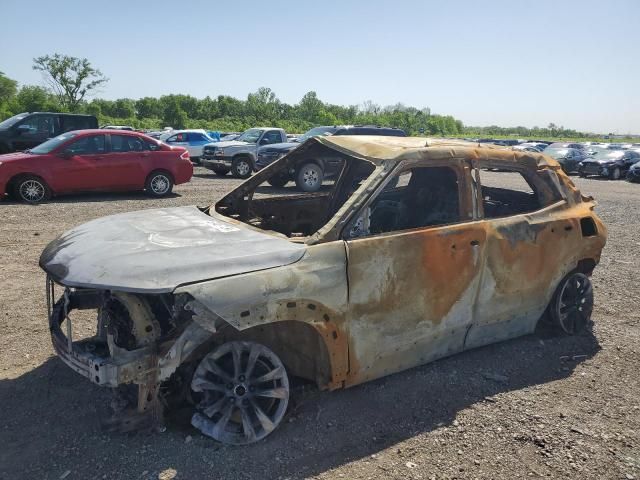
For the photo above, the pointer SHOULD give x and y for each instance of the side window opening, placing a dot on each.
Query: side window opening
(418, 198)
(122, 144)
(90, 145)
(508, 192)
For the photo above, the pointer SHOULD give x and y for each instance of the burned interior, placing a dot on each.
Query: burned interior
(286, 210)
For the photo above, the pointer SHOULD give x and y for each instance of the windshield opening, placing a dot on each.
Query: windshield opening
(293, 196)
(12, 120)
(50, 145)
(250, 136)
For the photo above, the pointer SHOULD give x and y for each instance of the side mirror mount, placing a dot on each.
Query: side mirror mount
(264, 141)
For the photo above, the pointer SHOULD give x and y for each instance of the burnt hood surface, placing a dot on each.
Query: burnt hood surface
(154, 251)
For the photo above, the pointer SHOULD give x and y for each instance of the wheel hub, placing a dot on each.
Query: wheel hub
(244, 393)
(243, 168)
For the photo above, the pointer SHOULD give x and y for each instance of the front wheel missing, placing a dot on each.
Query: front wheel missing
(243, 392)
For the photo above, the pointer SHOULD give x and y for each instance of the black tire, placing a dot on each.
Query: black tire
(159, 184)
(31, 189)
(278, 181)
(220, 171)
(309, 177)
(241, 167)
(572, 303)
(615, 174)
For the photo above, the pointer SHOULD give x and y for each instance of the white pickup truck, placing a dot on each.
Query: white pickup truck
(239, 156)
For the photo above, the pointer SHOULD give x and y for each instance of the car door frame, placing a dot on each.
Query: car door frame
(125, 170)
(387, 332)
(80, 172)
(518, 279)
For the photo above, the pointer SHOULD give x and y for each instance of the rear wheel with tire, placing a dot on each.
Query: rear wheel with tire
(615, 174)
(241, 167)
(572, 303)
(31, 189)
(159, 184)
(309, 177)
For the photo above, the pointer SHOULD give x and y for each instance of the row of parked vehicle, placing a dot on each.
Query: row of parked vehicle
(611, 160)
(62, 153)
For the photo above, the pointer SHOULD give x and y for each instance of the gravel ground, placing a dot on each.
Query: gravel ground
(538, 406)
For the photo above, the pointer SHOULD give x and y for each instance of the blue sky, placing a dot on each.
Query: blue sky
(574, 63)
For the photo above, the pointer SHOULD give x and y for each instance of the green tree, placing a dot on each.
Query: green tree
(148, 107)
(8, 88)
(174, 116)
(310, 106)
(124, 108)
(70, 78)
(31, 98)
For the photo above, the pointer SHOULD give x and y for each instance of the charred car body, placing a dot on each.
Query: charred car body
(223, 305)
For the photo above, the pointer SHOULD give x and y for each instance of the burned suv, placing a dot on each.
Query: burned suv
(219, 307)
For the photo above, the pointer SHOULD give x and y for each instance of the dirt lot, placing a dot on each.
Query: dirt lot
(539, 406)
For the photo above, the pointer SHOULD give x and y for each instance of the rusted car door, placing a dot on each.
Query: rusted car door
(412, 292)
(529, 247)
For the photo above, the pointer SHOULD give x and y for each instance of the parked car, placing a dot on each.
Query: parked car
(530, 147)
(568, 158)
(27, 130)
(193, 140)
(633, 175)
(609, 163)
(309, 176)
(239, 156)
(619, 146)
(86, 160)
(223, 305)
(577, 146)
(118, 127)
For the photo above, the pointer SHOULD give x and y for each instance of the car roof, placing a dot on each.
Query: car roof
(381, 149)
(185, 130)
(103, 132)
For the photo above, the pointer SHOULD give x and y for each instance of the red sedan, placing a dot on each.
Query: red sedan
(94, 160)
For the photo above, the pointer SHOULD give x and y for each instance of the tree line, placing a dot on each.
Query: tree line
(71, 81)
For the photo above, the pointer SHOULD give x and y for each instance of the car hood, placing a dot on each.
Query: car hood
(230, 143)
(280, 147)
(603, 161)
(14, 157)
(155, 251)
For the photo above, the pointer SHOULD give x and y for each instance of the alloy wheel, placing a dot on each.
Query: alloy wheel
(575, 304)
(160, 184)
(244, 393)
(32, 191)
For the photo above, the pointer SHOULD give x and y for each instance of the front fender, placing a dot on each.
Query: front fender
(313, 291)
